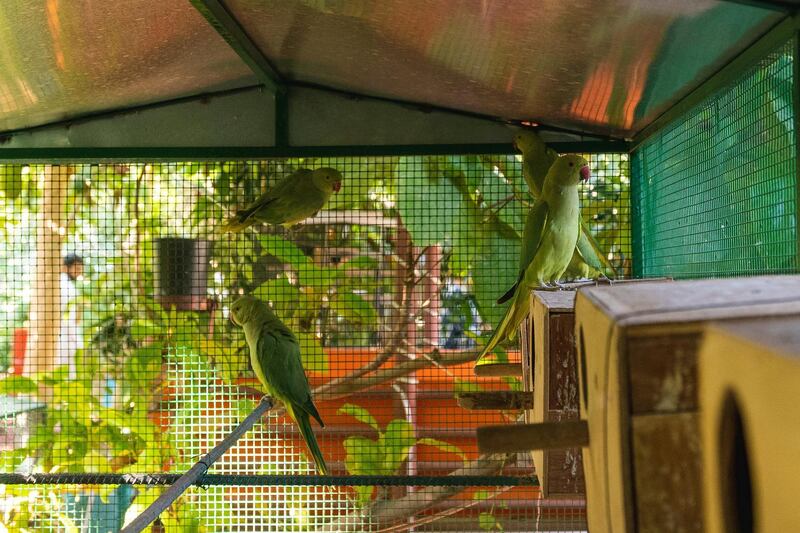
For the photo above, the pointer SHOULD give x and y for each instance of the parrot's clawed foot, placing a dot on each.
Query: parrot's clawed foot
(544, 286)
(266, 398)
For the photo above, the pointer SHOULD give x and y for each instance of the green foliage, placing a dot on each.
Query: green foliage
(78, 434)
(488, 522)
(17, 385)
(385, 454)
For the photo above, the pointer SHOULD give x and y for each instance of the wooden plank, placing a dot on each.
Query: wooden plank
(561, 367)
(498, 370)
(565, 474)
(663, 372)
(556, 301)
(525, 437)
(560, 472)
(485, 400)
(527, 352)
(667, 472)
(604, 406)
(715, 295)
(541, 348)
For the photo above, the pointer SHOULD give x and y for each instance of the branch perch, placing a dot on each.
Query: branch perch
(384, 514)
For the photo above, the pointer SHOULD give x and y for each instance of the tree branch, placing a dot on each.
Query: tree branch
(427, 519)
(385, 375)
(386, 513)
(396, 340)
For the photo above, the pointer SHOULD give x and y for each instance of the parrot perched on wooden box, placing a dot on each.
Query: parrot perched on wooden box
(588, 261)
(549, 238)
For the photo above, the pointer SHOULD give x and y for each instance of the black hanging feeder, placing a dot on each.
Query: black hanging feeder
(181, 274)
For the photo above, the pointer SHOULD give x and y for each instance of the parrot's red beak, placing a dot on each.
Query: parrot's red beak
(336, 186)
(585, 173)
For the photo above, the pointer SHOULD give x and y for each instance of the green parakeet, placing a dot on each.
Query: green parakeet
(537, 159)
(295, 198)
(588, 261)
(549, 238)
(275, 357)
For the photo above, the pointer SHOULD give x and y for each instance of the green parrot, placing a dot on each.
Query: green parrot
(295, 198)
(275, 357)
(550, 235)
(588, 261)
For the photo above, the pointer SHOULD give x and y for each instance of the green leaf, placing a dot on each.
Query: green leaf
(364, 493)
(360, 262)
(284, 250)
(58, 375)
(417, 188)
(141, 329)
(363, 457)
(444, 446)
(461, 385)
(514, 383)
(284, 296)
(12, 180)
(354, 308)
(311, 352)
(481, 495)
(488, 522)
(17, 385)
(494, 272)
(360, 414)
(396, 442)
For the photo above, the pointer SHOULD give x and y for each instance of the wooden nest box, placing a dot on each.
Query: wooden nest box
(749, 382)
(638, 350)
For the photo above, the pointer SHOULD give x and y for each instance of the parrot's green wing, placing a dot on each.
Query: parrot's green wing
(591, 253)
(531, 240)
(279, 356)
(277, 205)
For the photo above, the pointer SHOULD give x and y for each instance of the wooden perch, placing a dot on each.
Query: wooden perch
(486, 400)
(525, 437)
(498, 370)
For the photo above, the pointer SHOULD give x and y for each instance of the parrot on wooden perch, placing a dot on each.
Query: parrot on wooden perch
(275, 357)
(549, 239)
(293, 199)
(588, 261)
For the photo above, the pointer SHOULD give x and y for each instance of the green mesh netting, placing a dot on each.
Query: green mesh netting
(716, 191)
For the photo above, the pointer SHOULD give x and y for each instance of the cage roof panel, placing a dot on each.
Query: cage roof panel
(604, 66)
(61, 59)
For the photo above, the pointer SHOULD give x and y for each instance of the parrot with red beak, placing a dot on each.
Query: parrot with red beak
(549, 238)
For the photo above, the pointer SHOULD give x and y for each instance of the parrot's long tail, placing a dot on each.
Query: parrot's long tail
(304, 423)
(507, 327)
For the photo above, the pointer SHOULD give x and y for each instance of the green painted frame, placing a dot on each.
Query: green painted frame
(784, 31)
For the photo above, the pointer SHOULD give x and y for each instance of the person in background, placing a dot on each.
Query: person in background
(70, 336)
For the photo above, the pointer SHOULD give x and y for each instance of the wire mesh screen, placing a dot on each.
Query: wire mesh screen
(717, 188)
(124, 353)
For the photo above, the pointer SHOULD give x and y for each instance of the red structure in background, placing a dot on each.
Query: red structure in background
(18, 346)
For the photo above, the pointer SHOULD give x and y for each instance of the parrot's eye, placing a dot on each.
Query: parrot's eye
(572, 164)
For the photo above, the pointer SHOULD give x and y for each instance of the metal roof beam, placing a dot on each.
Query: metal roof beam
(229, 28)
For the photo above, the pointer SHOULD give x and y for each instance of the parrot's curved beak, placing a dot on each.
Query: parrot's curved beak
(515, 145)
(585, 173)
(336, 186)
